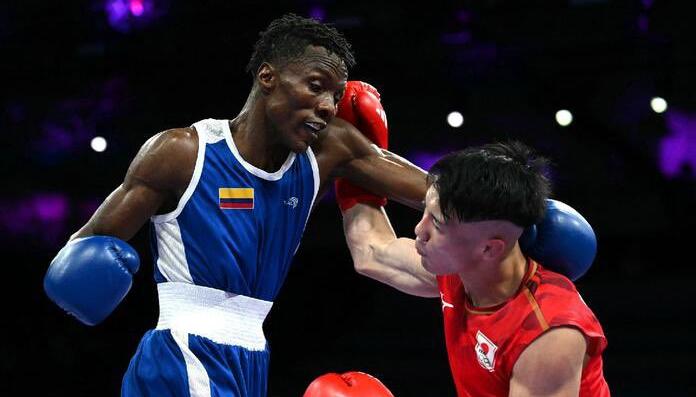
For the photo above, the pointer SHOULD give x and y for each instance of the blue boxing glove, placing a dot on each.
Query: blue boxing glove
(90, 276)
(563, 242)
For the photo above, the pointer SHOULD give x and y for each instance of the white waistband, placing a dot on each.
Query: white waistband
(218, 315)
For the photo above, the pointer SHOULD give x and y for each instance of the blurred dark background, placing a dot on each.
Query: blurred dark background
(126, 69)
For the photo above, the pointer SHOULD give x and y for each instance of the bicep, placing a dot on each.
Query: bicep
(551, 365)
(157, 174)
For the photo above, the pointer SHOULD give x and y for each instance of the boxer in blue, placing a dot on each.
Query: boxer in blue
(227, 201)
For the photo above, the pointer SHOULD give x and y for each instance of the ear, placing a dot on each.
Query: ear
(494, 249)
(266, 77)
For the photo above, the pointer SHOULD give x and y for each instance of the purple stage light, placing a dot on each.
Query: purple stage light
(678, 149)
(72, 122)
(124, 15)
(117, 11)
(136, 7)
(41, 218)
(52, 207)
(426, 160)
(318, 13)
(55, 138)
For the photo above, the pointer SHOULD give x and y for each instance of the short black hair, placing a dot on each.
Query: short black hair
(287, 37)
(499, 181)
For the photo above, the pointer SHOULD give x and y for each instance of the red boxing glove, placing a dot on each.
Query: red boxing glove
(349, 384)
(361, 107)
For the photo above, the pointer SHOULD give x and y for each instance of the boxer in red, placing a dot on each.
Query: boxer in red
(512, 326)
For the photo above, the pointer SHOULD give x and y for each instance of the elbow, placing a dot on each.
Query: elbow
(362, 255)
(367, 269)
(362, 268)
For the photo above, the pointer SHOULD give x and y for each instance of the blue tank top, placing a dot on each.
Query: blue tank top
(236, 227)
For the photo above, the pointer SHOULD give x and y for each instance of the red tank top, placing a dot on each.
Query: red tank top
(483, 344)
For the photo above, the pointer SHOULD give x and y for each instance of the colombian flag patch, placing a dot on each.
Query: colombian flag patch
(236, 198)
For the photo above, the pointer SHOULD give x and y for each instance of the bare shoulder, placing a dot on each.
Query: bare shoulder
(333, 137)
(155, 180)
(333, 149)
(338, 144)
(559, 340)
(345, 135)
(167, 159)
(171, 142)
(552, 363)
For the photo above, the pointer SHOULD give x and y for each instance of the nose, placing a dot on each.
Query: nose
(420, 230)
(326, 107)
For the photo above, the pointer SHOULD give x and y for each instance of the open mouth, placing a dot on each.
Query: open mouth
(315, 126)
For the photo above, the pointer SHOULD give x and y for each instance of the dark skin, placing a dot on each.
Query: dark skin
(286, 106)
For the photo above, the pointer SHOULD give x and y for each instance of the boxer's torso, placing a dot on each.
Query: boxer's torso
(236, 227)
(484, 344)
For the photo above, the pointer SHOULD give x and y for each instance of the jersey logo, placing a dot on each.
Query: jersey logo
(445, 304)
(236, 198)
(485, 351)
(291, 202)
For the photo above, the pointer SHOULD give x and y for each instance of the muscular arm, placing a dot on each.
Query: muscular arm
(155, 180)
(377, 252)
(550, 366)
(344, 151)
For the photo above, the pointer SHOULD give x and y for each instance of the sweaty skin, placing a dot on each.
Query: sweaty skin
(290, 108)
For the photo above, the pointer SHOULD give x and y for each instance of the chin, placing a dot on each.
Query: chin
(298, 143)
(299, 147)
(295, 144)
(426, 266)
(434, 269)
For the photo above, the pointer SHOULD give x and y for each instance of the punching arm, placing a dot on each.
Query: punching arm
(377, 252)
(92, 274)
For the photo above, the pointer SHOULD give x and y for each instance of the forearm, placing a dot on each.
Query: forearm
(389, 175)
(123, 213)
(377, 252)
(414, 181)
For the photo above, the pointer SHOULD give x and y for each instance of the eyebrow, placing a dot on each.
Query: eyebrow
(324, 74)
(321, 70)
(326, 67)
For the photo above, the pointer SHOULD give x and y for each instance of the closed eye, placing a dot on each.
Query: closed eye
(315, 87)
(436, 222)
(338, 96)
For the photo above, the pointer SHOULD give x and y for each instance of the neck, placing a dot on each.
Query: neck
(500, 283)
(255, 139)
